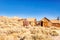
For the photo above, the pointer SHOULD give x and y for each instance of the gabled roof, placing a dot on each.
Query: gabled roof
(52, 21)
(46, 19)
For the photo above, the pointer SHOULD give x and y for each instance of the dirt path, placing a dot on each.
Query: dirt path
(56, 38)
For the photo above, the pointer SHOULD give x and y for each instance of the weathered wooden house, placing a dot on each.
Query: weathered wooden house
(27, 22)
(55, 23)
(47, 23)
(32, 21)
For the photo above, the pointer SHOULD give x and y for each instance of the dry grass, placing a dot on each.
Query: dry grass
(10, 29)
(24, 33)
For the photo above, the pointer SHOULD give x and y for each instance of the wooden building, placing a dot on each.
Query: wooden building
(32, 21)
(55, 23)
(47, 23)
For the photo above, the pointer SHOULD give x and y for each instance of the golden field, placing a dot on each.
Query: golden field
(11, 29)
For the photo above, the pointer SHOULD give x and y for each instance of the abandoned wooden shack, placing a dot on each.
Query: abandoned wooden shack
(32, 21)
(47, 23)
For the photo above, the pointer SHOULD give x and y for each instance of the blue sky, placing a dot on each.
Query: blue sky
(30, 8)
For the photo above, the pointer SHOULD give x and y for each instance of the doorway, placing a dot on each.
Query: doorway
(41, 23)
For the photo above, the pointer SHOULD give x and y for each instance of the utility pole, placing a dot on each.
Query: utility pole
(58, 19)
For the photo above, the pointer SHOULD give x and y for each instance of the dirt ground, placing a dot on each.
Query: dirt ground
(56, 38)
